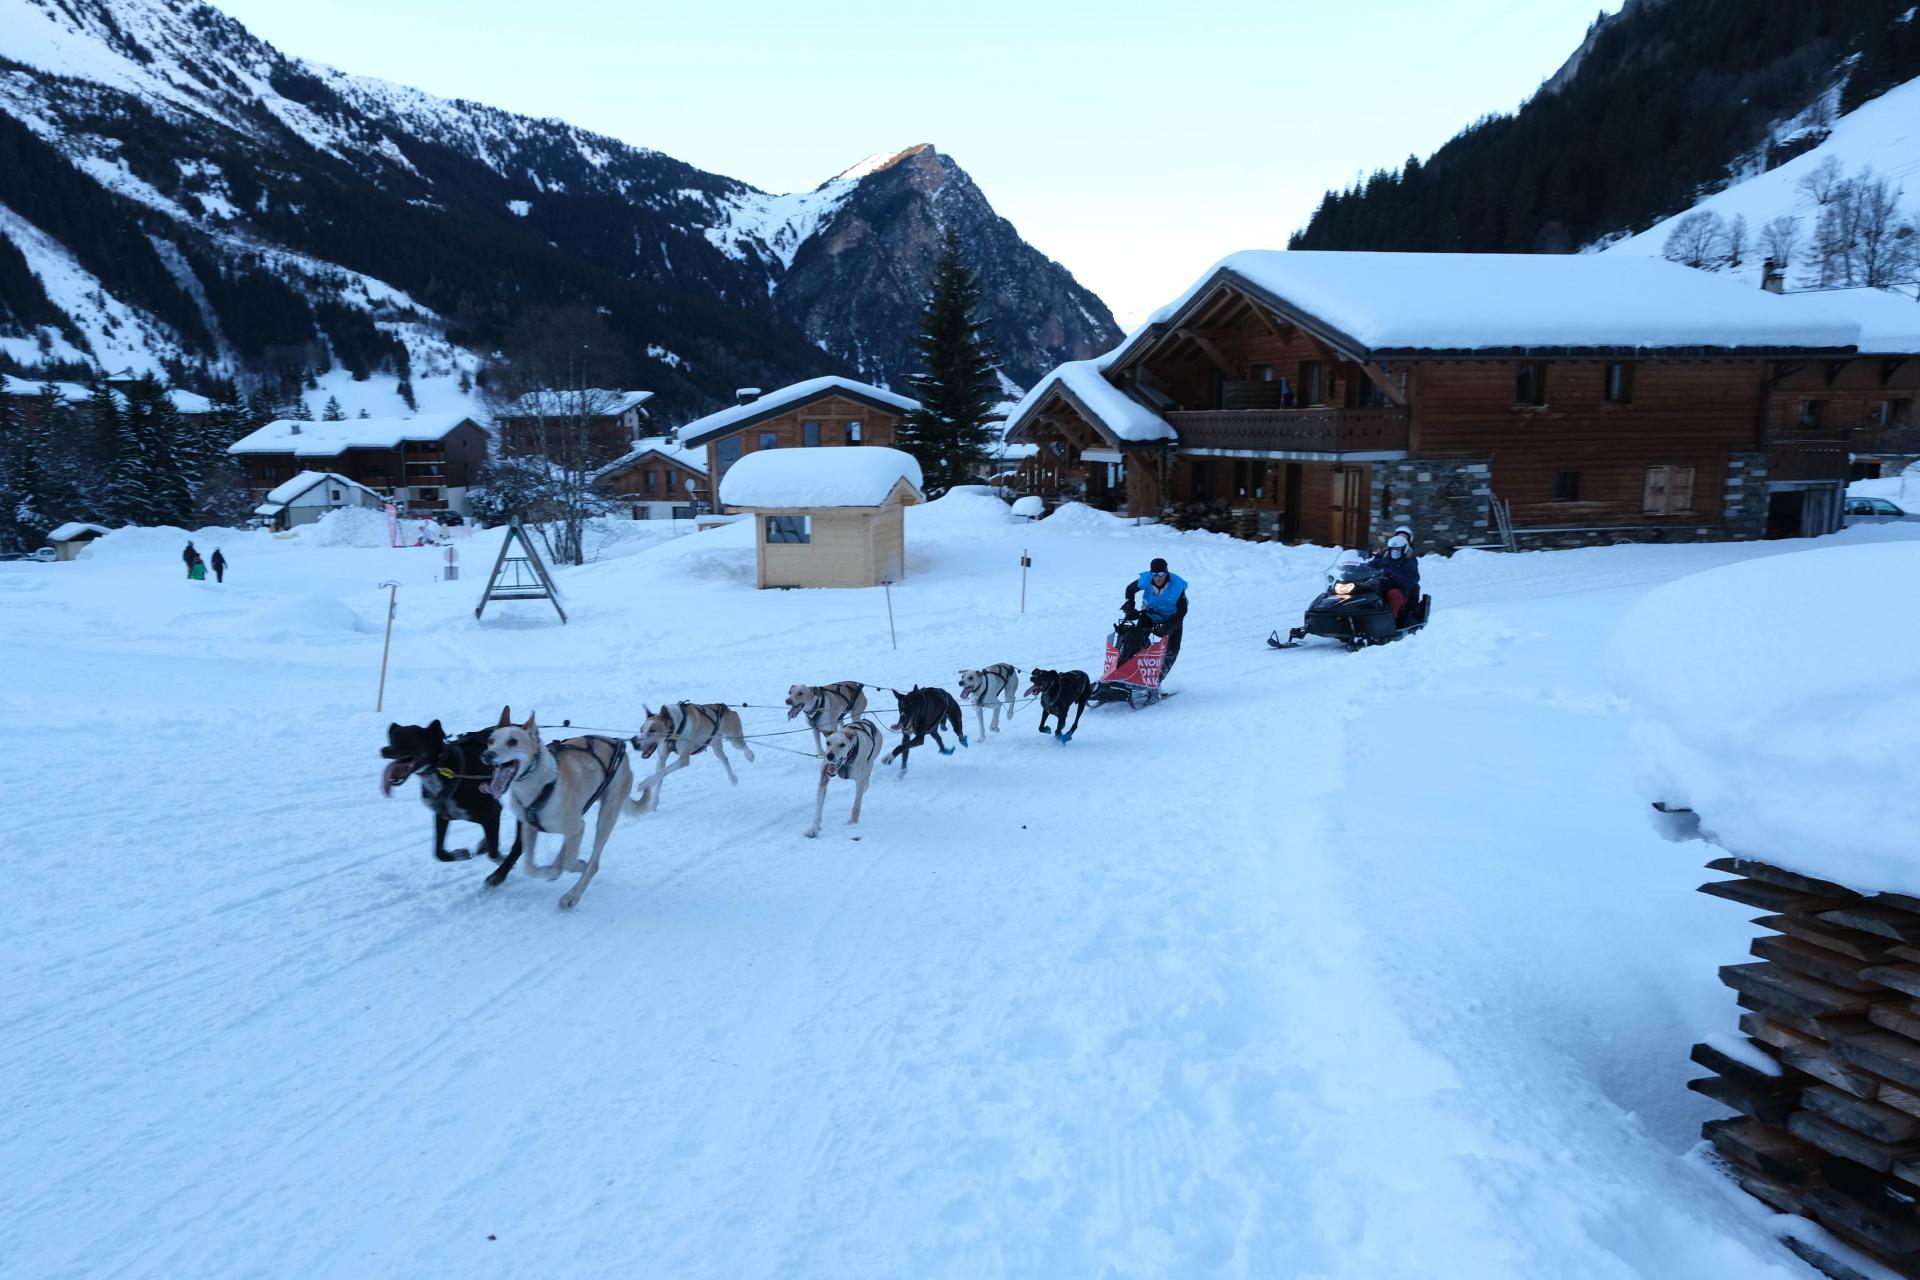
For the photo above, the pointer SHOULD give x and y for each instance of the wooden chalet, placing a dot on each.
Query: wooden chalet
(533, 423)
(657, 480)
(827, 518)
(1491, 399)
(423, 464)
(818, 413)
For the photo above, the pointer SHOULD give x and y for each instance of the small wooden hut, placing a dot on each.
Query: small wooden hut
(826, 517)
(71, 538)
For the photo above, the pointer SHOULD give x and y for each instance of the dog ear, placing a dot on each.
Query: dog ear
(436, 730)
(393, 727)
(506, 717)
(533, 722)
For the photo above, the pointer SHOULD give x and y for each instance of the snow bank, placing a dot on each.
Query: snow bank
(860, 476)
(349, 527)
(1779, 699)
(301, 617)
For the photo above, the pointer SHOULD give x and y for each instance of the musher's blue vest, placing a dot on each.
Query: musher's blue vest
(1161, 603)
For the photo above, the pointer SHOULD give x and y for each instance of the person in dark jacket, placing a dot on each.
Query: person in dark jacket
(1402, 569)
(189, 556)
(219, 563)
(1163, 601)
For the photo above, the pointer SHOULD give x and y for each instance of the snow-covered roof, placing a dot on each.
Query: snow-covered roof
(836, 476)
(190, 402)
(701, 430)
(694, 459)
(75, 528)
(1889, 322)
(596, 402)
(331, 439)
(1389, 304)
(286, 493)
(1806, 765)
(1112, 410)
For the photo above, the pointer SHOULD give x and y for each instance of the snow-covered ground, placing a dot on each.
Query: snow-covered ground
(1335, 965)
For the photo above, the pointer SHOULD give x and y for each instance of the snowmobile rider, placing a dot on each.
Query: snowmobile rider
(1402, 569)
(1163, 602)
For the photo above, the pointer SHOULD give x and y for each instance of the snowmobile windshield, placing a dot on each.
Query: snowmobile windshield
(1352, 567)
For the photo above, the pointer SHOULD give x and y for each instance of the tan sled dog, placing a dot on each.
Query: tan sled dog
(826, 706)
(686, 729)
(549, 787)
(850, 752)
(989, 687)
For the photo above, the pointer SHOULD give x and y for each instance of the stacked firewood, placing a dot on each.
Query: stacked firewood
(1826, 1080)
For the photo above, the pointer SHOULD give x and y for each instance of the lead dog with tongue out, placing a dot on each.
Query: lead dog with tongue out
(450, 775)
(550, 787)
(848, 753)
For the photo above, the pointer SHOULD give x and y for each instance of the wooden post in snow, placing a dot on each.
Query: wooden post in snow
(380, 700)
(1026, 562)
(888, 588)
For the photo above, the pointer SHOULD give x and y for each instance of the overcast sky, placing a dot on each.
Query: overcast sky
(1136, 143)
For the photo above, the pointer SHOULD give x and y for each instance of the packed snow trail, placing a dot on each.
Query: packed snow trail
(1340, 965)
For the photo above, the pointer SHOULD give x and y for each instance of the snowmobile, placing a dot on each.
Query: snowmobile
(1353, 609)
(1136, 660)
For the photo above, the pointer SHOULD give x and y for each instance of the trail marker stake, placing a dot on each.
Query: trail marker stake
(1026, 563)
(888, 587)
(393, 590)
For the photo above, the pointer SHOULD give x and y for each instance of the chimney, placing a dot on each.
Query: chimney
(746, 395)
(295, 426)
(1773, 277)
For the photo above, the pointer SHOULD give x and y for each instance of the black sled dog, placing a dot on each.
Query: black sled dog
(925, 712)
(1059, 692)
(450, 774)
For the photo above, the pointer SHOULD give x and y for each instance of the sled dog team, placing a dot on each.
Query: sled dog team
(551, 787)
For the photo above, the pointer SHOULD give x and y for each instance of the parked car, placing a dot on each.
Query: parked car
(1876, 511)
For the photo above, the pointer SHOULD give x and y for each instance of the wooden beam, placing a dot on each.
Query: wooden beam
(1378, 377)
(1889, 367)
(1833, 370)
(1212, 352)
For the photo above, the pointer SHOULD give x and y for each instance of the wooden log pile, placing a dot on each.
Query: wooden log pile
(1827, 1082)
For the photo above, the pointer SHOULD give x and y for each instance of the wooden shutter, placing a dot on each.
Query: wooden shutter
(1680, 490)
(1654, 503)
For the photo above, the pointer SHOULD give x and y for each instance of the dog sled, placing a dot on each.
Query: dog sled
(1135, 662)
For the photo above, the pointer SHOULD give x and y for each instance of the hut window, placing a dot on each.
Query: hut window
(789, 530)
(810, 434)
(1566, 486)
(1619, 383)
(1669, 491)
(1812, 412)
(853, 432)
(1530, 384)
(769, 440)
(336, 495)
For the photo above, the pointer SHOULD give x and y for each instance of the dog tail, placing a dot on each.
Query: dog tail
(957, 719)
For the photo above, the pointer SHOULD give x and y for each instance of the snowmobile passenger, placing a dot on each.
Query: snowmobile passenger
(1163, 600)
(1402, 569)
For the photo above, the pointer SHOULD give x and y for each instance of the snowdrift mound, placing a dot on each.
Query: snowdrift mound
(169, 540)
(1076, 516)
(1779, 700)
(302, 617)
(349, 527)
(962, 506)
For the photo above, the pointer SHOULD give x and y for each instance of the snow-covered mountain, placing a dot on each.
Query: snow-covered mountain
(176, 193)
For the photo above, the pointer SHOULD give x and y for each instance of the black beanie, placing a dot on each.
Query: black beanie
(1158, 566)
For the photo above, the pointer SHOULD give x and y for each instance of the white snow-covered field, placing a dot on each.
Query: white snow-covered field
(1335, 965)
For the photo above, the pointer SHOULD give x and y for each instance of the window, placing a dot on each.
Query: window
(1619, 383)
(726, 452)
(1263, 373)
(426, 495)
(1812, 412)
(789, 530)
(810, 434)
(853, 433)
(1202, 472)
(336, 495)
(1530, 384)
(1669, 491)
(1566, 486)
(647, 480)
(1894, 413)
(769, 440)
(1311, 389)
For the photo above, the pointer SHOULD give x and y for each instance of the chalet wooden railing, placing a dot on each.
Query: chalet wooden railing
(1293, 430)
(1807, 459)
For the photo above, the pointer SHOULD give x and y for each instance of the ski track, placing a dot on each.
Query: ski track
(1265, 982)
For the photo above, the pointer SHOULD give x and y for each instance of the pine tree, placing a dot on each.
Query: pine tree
(22, 523)
(169, 453)
(302, 410)
(333, 412)
(117, 470)
(951, 433)
(406, 393)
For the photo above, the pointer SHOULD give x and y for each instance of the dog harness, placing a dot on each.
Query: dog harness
(608, 767)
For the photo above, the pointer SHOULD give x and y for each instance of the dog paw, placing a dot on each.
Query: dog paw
(567, 901)
(947, 751)
(454, 855)
(813, 834)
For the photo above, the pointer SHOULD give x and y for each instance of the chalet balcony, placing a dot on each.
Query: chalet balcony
(1807, 460)
(1324, 431)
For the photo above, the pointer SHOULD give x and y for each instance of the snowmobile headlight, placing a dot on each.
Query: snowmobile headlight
(1343, 588)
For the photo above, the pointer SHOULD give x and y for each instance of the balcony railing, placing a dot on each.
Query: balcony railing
(1330, 431)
